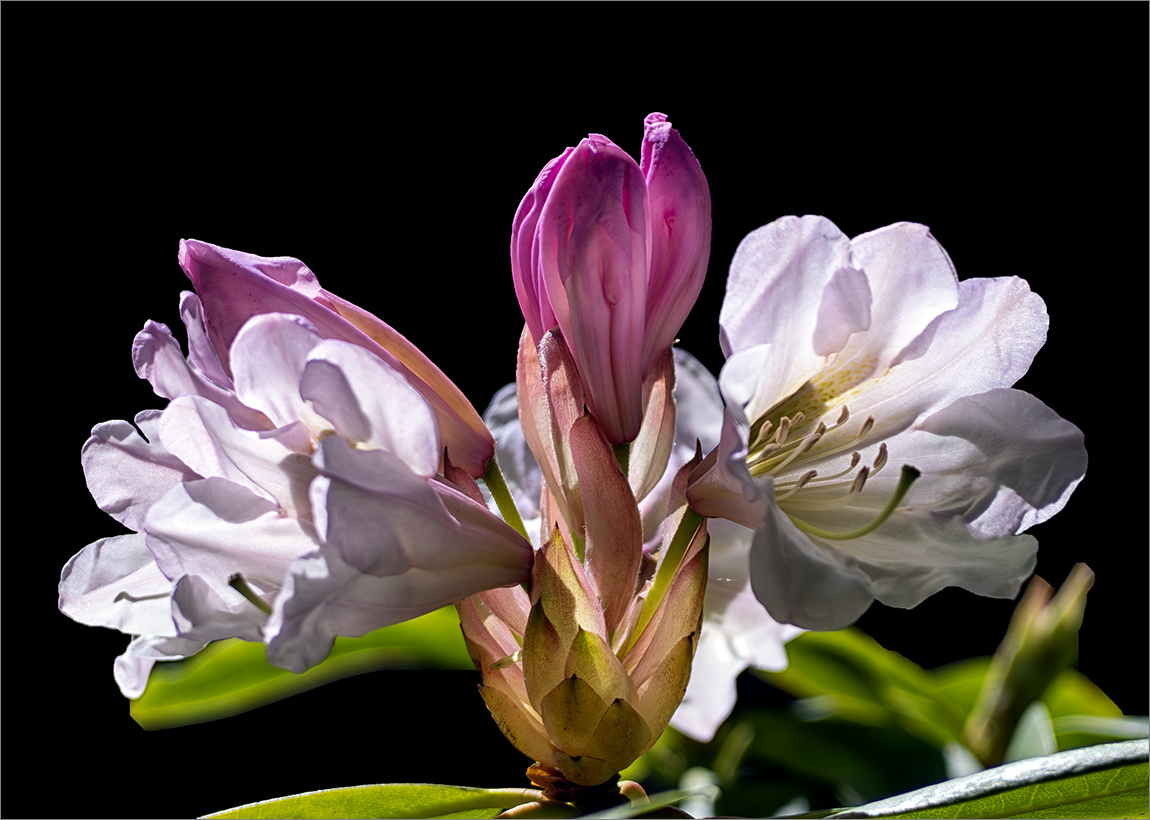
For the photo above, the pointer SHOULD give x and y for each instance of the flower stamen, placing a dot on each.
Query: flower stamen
(804, 479)
(856, 457)
(909, 476)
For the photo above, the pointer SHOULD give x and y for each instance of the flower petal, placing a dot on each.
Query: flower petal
(460, 427)
(593, 254)
(370, 403)
(799, 582)
(776, 285)
(202, 613)
(235, 286)
(274, 465)
(527, 275)
(131, 669)
(914, 555)
(737, 633)
(158, 359)
(127, 473)
(267, 359)
(911, 280)
(215, 528)
(115, 583)
(324, 596)
(520, 469)
(679, 214)
(1002, 460)
(710, 693)
(201, 355)
(721, 486)
(987, 342)
(384, 520)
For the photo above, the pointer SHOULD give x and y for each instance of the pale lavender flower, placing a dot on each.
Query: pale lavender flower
(847, 359)
(289, 495)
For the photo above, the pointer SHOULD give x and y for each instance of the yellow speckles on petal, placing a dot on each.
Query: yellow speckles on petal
(800, 423)
(829, 390)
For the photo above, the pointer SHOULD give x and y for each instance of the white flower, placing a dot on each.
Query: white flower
(296, 500)
(847, 359)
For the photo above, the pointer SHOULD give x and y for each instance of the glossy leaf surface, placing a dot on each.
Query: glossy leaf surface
(233, 676)
(1109, 780)
(398, 800)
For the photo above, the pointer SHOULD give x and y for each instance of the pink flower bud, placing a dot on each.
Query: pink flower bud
(614, 254)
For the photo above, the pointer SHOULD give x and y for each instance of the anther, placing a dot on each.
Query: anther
(802, 482)
(784, 428)
(860, 480)
(880, 459)
(869, 423)
(764, 453)
(764, 431)
(809, 442)
(843, 416)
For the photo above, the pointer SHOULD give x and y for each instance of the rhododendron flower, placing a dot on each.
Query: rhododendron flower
(288, 497)
(613, 253)
(848, 358)
(235, 286)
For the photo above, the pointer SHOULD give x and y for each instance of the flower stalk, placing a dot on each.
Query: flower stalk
(497, 485)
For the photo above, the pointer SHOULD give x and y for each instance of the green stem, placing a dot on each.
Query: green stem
(580, 547)
(688, 525)
(622, 455)
(493, 478)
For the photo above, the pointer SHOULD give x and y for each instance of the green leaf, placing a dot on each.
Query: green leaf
(849, 675)
(1071, 693)
(398, 800)
(850, 757)
(233, 676)
(1103, 781)
(1074, 731)
(653, 804)
(1081, 713)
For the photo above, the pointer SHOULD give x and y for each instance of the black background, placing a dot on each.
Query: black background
(388, 148)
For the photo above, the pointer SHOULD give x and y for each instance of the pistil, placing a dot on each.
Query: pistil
(238, 583)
